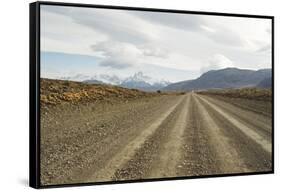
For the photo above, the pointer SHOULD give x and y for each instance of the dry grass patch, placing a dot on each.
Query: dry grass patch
(247, 93)
(55, 92)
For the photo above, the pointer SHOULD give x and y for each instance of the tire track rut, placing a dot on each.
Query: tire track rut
(125, 155)
(254, 156)
(256, 121)
(264, 143)
(89, 147)
(208, 150)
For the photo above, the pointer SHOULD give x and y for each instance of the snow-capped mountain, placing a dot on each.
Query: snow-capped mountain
(137, 81)
(143, 82)
(95, 79)
(139, 77)
(110, 79)
(77, 77)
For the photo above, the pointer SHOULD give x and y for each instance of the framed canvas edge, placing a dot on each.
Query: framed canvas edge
(34, 95)
(153, 9)
(34, 92)
(273, 95)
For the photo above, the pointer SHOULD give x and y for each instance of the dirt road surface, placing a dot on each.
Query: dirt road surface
(165, 136)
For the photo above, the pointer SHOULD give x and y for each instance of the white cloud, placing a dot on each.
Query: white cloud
(217, 61)
(60, 34)
(207, 29)
(150, 50)
(265, 48)
(125, 39)
(117, 55)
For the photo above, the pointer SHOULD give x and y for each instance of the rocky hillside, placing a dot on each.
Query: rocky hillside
(220, 79)
(59, 91)
(265, 83)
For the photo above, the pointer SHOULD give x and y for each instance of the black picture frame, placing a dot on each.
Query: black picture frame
(34, 90)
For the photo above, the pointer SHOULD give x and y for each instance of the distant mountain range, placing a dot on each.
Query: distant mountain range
(214, 79)
(137, 81)
(225, 78)
(142, 82)
(265, 83)
(95, 79)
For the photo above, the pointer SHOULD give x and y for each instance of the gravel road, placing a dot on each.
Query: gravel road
(154, 137)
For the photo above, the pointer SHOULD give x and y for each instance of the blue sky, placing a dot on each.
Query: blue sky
(57, 65)
(167, 46)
